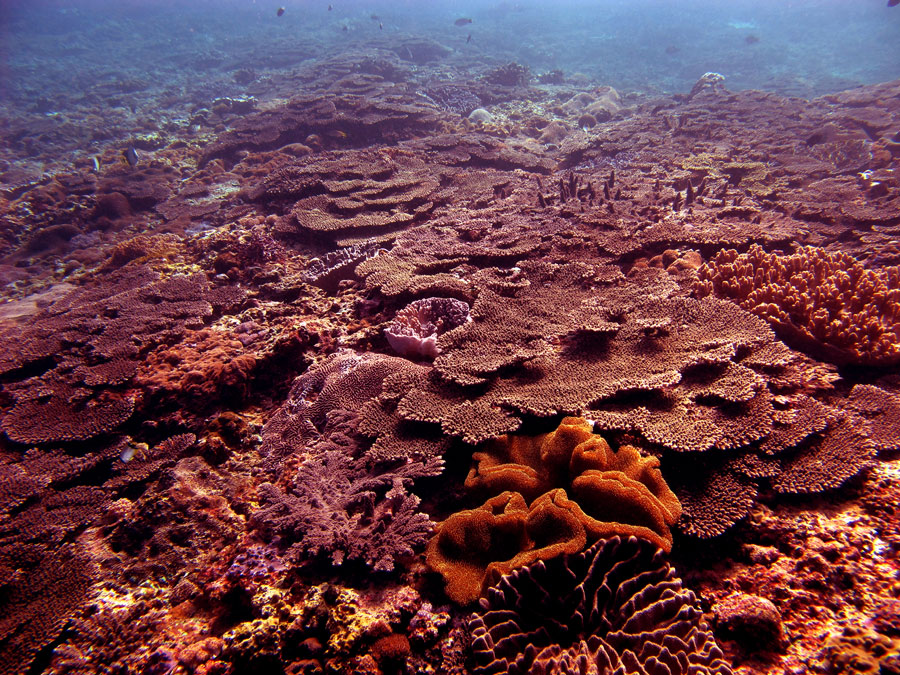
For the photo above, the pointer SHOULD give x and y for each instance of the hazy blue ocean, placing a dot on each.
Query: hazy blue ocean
(60, 50)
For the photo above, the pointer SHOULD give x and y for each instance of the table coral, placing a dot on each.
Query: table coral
(344, 381)
(81, 348)
(570, 338)
(826, 302)
(612, 492)
(41, 591)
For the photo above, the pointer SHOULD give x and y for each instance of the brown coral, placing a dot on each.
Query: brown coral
(204, 366)
(567, 338)
(613, 492)
(617, 607)
(825, 302)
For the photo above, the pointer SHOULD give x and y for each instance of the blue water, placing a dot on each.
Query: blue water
(77, 77)
(56, 48)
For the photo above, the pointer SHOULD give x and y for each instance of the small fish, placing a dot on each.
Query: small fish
(329, 8)
(96, 159)
(893, 3)
(280, 11)
(131, 156)
(672, 49)
(375, 17)
(464, 21)
(380, 26)
(344, 28)
(752, 39)
(469, 38)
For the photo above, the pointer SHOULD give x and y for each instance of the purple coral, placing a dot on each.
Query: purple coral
(256, 564)
(415, 329)
(340, 506)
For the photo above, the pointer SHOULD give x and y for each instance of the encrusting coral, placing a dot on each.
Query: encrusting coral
(828, 303)
(530, 515)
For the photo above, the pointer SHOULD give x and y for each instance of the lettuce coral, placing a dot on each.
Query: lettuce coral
(577, 490)
(617, 607)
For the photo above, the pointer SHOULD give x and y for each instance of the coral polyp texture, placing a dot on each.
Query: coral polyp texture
(549, 494)
(825, 301)
(617, 607)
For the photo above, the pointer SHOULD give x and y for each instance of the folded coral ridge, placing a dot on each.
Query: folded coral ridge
(618, 607)
(549, 494)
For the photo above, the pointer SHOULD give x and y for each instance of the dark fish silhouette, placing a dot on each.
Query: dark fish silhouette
(280, 11)
(375, 17)
(463, 21)
(469, 38)
(329, 8)
(380, 26)
(752, 39)
(131, 156)
(893, 3)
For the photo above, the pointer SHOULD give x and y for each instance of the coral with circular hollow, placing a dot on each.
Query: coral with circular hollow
(416, 327)
(618, 607)
(827, 303)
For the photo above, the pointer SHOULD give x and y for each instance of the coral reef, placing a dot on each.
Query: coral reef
(826, 302)
(617, 606)
(263, 305)
(612, 493)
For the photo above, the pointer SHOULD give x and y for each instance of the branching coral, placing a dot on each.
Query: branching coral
(343, 506)
(825, 302)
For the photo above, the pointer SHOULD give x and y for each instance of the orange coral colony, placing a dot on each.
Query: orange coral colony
(826, 303)
(547, 495)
